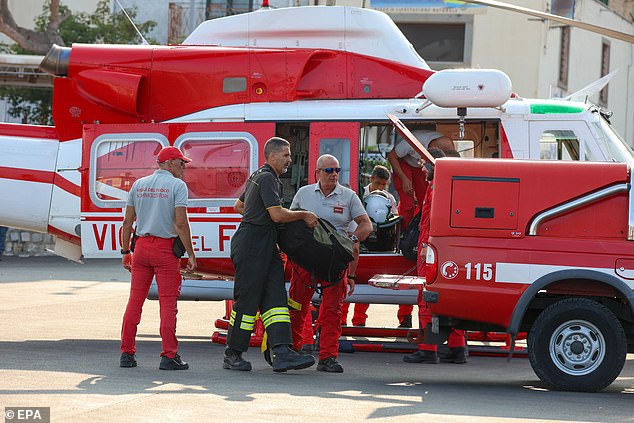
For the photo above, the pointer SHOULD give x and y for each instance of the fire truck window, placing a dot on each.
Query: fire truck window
(120, 163)
(340, 148)
(559, 145)
(219, 167)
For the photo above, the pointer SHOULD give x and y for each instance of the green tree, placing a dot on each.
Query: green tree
(34, 105)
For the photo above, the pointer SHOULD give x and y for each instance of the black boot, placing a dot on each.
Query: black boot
(406, 322)
(233, 361)
(174, 363)
(429, 357)
(457, 355)
(330, 365)
(285, 358)
(127, 360)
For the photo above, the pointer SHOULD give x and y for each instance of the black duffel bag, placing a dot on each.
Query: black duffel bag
(322, 251)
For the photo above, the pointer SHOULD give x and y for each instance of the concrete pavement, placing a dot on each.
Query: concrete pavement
(59, 348)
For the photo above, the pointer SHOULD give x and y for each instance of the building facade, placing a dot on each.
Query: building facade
(542, 58)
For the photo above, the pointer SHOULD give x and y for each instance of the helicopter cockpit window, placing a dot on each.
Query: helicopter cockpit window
(615, 148)
(559, 145)
(117, 161)
(221, 164)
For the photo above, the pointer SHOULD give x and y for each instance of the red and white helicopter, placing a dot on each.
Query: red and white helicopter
(324, 78)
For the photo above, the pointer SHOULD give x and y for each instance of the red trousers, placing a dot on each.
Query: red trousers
(456, 337)
(360, 314)
(329, 312)
(153, 257)
(404, 310)
(406, 203)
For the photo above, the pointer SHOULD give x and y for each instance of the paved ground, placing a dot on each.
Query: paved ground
(59, 349)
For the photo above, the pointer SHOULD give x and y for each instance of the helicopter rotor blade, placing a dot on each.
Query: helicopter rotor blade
(566, 21)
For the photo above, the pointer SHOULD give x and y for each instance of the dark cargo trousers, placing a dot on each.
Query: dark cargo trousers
(259, 285)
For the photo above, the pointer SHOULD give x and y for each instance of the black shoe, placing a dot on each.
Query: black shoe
(330, 365)
(285, 358)
(406, 322)
(127, 360)
(174, 363)
(456, 355)
(233, 361)
(428, 357)
(306, 349)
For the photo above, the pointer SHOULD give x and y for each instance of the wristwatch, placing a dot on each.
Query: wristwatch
(124, 252)
(354, 238)
(353, 277)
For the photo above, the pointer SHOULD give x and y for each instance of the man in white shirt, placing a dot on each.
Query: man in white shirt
(339, 205)
(410, 183)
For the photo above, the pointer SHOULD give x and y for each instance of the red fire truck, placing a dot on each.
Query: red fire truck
(541, 247)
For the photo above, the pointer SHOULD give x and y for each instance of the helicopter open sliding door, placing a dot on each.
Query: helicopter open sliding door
(341, 139)
(223, 155)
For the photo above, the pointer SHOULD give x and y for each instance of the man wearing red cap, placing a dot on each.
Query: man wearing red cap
(158, 202)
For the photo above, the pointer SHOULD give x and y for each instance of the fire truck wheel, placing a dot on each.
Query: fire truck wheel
(577, 344)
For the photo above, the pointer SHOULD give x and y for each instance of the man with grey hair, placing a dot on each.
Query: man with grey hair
(259, 272)
(338, 205)
(158, 203)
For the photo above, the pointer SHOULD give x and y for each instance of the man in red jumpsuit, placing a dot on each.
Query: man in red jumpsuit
(428, 353)
(411, 186)
(339, 205)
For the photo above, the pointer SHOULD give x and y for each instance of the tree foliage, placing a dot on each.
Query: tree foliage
(34, 105)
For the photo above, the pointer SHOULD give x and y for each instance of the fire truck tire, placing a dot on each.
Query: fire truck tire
(577, 344)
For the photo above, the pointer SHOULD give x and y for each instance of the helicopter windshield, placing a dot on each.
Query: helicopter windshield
(615, 146)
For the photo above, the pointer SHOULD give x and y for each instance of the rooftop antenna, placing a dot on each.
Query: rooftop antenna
(145, 43)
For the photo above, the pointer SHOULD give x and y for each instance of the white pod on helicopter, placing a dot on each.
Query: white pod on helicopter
(468, 88)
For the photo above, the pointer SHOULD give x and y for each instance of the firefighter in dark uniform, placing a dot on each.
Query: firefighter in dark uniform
(259, 272)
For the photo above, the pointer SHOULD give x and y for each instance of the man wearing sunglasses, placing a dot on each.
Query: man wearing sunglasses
(339, 205)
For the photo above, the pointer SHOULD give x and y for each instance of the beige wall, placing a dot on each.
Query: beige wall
(510, 42)
(528, 49)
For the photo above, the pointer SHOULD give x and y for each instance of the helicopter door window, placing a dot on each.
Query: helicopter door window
(221, 164)
(340, 148)
(559, 145)
(117, 160)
